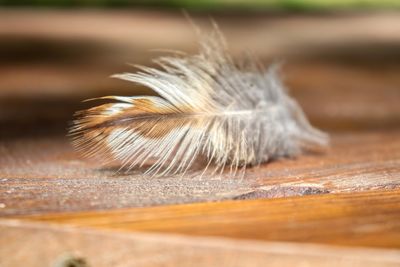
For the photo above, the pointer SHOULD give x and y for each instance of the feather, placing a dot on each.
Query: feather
(233, 114)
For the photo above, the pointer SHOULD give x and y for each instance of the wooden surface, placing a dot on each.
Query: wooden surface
(369, 219)
(339, 207)
(231, 233)
(52, 245)
(46, 176)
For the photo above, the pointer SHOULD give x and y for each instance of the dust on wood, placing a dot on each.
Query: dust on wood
(45, 176)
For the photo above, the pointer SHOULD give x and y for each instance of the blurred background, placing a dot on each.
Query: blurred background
(341, 58)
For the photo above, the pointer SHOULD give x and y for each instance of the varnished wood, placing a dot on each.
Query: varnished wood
(369, 218)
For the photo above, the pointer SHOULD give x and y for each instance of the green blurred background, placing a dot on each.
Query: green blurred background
(288, 5)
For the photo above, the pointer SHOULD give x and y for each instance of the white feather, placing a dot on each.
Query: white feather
(209, 105)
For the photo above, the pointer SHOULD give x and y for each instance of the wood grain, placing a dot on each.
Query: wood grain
(46, 176)
(38, 245)
(369, 218)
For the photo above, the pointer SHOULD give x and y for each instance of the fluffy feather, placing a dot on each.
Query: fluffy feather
(232, 114)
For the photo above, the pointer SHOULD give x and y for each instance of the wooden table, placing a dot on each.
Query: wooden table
(340, 207)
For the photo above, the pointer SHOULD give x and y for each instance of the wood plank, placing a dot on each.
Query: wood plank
(370, 218)
(44, 175)
(38, 245)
